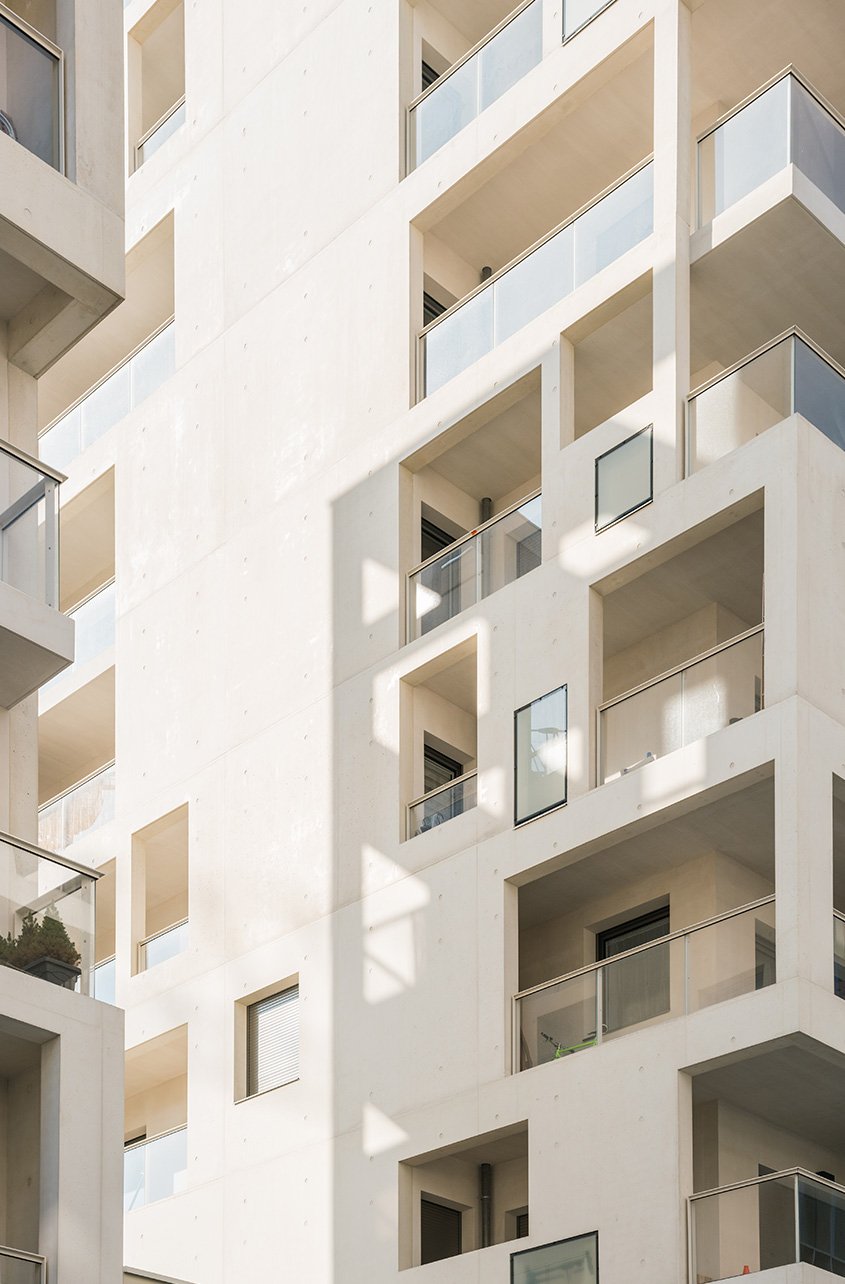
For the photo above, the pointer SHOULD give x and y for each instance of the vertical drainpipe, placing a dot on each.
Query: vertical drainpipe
(486, 1175)
(486, 509)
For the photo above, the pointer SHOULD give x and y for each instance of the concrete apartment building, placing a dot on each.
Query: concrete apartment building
(62, 266)
(453, 534)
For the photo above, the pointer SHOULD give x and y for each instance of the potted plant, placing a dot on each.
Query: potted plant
(44, 950)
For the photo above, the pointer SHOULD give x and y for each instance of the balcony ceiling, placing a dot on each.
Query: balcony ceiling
(150, 1064)
(797, 1087)
(76, 736)
(567, 156)
(500, 455)
(740, 825)
(474, 18)
(726, 568)
(739, 46)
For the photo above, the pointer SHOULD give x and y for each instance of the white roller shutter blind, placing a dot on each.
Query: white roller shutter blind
(272, 1052)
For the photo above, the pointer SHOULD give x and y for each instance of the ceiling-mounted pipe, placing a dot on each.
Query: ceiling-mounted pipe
(486, 509)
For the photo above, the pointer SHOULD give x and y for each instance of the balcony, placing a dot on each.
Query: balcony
(79, 811)
(684, 971)
(32, 104)
(495, 554)
(779, 1219)
(163, 945)
(154, 1169)
(442, 804)
(575, 1259)
(22, 1268)
(160, 132)
(715, 690)
(550, 271)
(784, 124)
(110, 400)
(474, 82)
(46, 915)
(95, 632)
(788, 377)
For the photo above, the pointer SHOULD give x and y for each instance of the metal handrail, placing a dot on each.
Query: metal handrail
(789, 70)
(78, 785)
(586, 23)
(20, 1255)
(838, 914)
(470, 53)
(649, 945)
(496, 276)
(153, 129)
(94, 386)
(682, 668)
(148, 1141)
(37, 465)
(55, 857)
(758, 1181)
(162, 932)
(450, 784)
(794, 332)
(477, 530)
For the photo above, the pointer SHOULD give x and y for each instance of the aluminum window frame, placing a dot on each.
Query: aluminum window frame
(518, 822)
(32, 33)
(635, 508)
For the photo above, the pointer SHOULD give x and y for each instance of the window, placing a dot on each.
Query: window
(272, 1047)
(540, 755)
(440, 1231)
(433, 540)
(637, 988)
(439, 768)
(624, 479)
(432, 308)
(569, 1259)
(429, 75)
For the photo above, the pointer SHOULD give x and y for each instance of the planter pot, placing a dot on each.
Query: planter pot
(54, 971)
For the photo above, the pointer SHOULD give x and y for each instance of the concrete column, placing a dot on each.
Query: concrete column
(671, 281)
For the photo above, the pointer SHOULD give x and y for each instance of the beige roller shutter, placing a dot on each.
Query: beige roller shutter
(272, 1055)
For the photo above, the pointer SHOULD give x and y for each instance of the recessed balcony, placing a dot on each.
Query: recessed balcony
(550, 271)
(156, 1116)
(154, 1169)
(78, 811)
(682, 972)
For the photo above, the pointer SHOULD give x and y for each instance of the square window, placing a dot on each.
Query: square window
(624, 479)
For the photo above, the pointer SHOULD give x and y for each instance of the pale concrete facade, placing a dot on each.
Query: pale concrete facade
(249, 750)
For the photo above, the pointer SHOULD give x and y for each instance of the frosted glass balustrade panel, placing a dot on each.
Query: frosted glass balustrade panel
(447, 109)
(164, 946)
(636, 989)
(510, 54)
(17, 1270)
(160, 136)
(155, 1169)
(576, 13)
(558, 1020)
(624, 479)
(60, 445)
(723, 689)
(819, 393)
(29, 97)
(153, 364)
(29, 551)
(744, 152)
(644, 726)
(459, 340)
(511, 547)
(534, 284)
(78, 812)
(741, 405)
(614, 225)
(106, 405)
(103, 981)
(818, 144)
(541, 755)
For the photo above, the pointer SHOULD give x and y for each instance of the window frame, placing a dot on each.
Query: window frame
(524, 820)
(241, 1036)
(568, 1239)
(643, 503)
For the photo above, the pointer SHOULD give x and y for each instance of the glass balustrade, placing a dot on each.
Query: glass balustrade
(110, 400)
(577, 13)
(780, 1219)
(711, 692)
(161, 131)
(839, 954)
(29, 527)
(77, 812)
(22, 1268)
(31, 90)
(154, 1169)
(46, 916)
(498, 553)
(569, 1261)
(103, 981)
(788, 377)
(785, 124)
(442, 804)
(695, 968)
(475, 82)
(95, 632)
(163, 945)
(557, 266)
